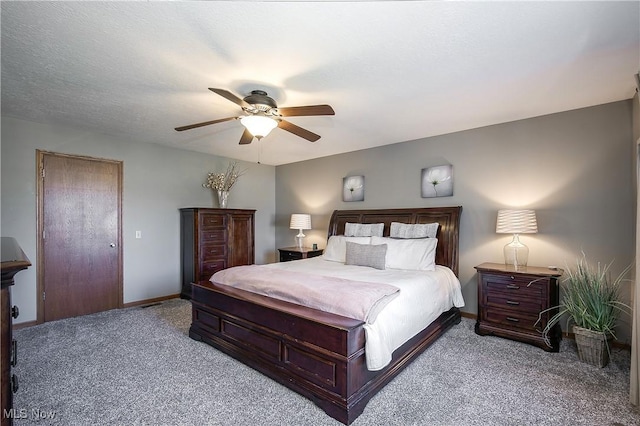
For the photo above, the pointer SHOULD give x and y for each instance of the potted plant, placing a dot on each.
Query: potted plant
(591, 302)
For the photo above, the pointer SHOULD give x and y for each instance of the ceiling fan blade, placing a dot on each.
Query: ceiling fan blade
(230, 96)
(306, 110)
(204, 123)
(298, 131)
(246, 137)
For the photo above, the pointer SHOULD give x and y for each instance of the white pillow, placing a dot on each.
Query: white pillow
(336, 249)
(413, 230)
(363, 229)
(412, 254)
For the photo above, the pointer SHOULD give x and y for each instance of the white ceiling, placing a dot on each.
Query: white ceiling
(392, 70)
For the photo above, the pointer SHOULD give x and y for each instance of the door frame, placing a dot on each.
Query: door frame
(40, 154)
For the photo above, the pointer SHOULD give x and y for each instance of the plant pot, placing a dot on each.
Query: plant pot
(593, 346)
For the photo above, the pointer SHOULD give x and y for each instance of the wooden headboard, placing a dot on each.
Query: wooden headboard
(447, 217)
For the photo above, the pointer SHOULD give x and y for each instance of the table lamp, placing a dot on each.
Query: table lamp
(516, 222)
(300, 222)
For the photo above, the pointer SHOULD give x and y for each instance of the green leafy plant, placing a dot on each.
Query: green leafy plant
(590, 298)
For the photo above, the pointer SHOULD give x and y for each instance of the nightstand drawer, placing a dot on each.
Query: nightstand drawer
(511, 318)
(297, 253)
(286, 256)
(516, 301)
(515, 285)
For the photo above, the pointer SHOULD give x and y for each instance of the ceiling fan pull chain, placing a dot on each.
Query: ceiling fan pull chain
(259, 151)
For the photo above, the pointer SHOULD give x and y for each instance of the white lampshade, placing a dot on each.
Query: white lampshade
(516, 222)
(300, 221)
(259, 125)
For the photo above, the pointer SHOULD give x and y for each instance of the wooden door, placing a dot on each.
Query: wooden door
(80, 256)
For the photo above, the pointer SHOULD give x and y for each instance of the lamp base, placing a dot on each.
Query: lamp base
(300, 239)
(516, 254)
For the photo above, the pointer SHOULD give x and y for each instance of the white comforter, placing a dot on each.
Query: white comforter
(423, 297)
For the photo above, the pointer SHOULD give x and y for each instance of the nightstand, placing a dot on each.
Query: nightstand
(510, 300)
(296, 253)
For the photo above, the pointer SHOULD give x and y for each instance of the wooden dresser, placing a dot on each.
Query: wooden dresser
(13, 261)
(213, 239)
(510, 301)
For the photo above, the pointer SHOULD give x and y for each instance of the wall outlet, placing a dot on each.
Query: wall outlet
(138, 234)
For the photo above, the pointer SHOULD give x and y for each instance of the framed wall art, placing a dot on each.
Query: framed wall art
(353, 188)
(437, 181)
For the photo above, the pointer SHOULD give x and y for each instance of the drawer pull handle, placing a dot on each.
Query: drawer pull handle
(14, 352)
(512, 302)
(512, 319)
(14, 383)
(512, 277)
(513, 287)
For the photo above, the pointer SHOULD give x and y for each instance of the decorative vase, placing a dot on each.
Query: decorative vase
(222, 199)
(593, 346)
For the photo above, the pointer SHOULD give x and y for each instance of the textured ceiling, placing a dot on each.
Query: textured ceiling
(392, 70)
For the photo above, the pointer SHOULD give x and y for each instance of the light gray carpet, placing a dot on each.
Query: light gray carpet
(138, 366)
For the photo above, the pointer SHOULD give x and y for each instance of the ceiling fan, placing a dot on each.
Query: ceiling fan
(263, 115)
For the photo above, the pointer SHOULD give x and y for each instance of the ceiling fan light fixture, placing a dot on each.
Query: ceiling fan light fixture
(263, 115)
(259, 125)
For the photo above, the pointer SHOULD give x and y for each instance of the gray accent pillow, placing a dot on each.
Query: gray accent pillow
(413, 230)
(366, 255)
(363, 229)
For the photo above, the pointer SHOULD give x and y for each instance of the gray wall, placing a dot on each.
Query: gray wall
(158, 181)
(573, 168)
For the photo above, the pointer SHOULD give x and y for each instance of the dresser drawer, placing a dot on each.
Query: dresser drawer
(212, 221)
(213, 236)
(209, 268)
(213, 252)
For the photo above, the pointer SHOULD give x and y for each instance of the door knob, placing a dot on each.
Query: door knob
(112, 245)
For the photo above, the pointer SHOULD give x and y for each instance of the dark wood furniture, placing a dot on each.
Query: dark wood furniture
(13, 261)
(318, 354)
(297, 253)
(510, 301)
(212, 240)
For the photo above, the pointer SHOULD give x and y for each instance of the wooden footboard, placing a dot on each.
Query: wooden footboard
(317, 354)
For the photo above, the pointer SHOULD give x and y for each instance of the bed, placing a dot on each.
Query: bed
(318, 354)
